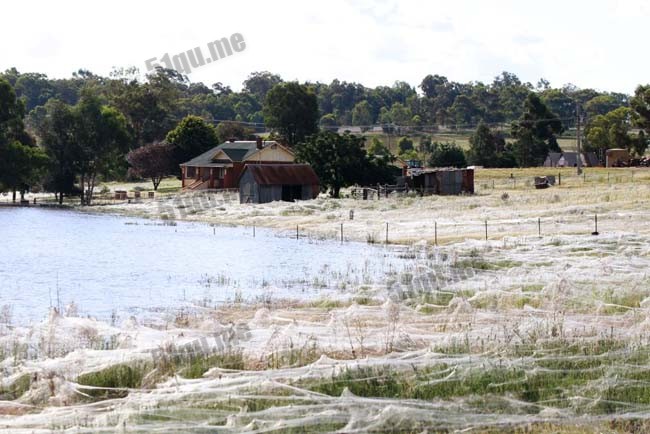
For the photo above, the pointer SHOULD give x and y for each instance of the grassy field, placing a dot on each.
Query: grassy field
(523, 332)
(506, 198)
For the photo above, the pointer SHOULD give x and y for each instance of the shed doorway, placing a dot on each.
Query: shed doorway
(291, 193)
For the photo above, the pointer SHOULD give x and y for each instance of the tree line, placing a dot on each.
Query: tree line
(65, 134)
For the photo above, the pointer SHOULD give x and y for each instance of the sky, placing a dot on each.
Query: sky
(599, 44)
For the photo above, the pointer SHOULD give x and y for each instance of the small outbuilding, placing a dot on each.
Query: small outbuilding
(617, 157)
(263, 183)
(442, 181)
(552, 159)
(570, 159)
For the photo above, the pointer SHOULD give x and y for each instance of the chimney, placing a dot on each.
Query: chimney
(260, 144)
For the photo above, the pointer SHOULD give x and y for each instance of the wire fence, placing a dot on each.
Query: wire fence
(435, 230)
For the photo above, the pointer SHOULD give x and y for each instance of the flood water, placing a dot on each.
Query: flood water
(110, 265)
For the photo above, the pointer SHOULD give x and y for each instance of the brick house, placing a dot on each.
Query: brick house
(221, 166)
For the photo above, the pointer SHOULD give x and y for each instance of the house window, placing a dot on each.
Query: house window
(190, 172)
(221, 172)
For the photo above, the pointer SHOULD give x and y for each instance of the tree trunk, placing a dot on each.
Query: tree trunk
(91, 188)
(13, 195)
(83, 186)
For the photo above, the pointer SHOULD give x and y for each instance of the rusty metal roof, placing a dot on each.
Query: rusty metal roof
(282, 174)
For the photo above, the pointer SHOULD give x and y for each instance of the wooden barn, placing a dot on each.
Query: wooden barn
(263, 183)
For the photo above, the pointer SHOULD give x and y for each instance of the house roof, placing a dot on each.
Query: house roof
(570, 158)
(235, 151)
(592, 159)
(554, 157)
(282, 174)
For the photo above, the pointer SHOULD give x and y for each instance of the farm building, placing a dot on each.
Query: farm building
(616, 157)
(570, 159)
(263, 183)
(221, 166)
(442, 181)
(552, 159)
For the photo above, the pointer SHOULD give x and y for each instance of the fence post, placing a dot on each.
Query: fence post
(386, 232)
(559, 178)
(435, 233)
(595, 232)
(297, 233)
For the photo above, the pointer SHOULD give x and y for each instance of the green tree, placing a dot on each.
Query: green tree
(377, 148)
(191, 137)
(328, 121)
(260, 83)
(102, 137)
(612, 130)
(21, 166)
(144, 109)
(21, 163)
(560, 103)
(400, 114)
(34, 88)
(292, 110)
(535, 132)
(464, 110)
(362, 114)
(339, 160)
(12, 112)
(512, 94)
(601, 105)
(447, 155)
(640, 103)
(485, 146)
(57, 133)
(405, 145)
(228, 130)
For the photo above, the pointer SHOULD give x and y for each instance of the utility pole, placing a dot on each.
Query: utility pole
(578, 139)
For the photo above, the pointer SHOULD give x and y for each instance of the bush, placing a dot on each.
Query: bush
(447, 155)
(405, 145)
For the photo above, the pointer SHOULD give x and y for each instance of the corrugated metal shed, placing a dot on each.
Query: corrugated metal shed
(278, 174)
(263, 183)
(443, 181)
